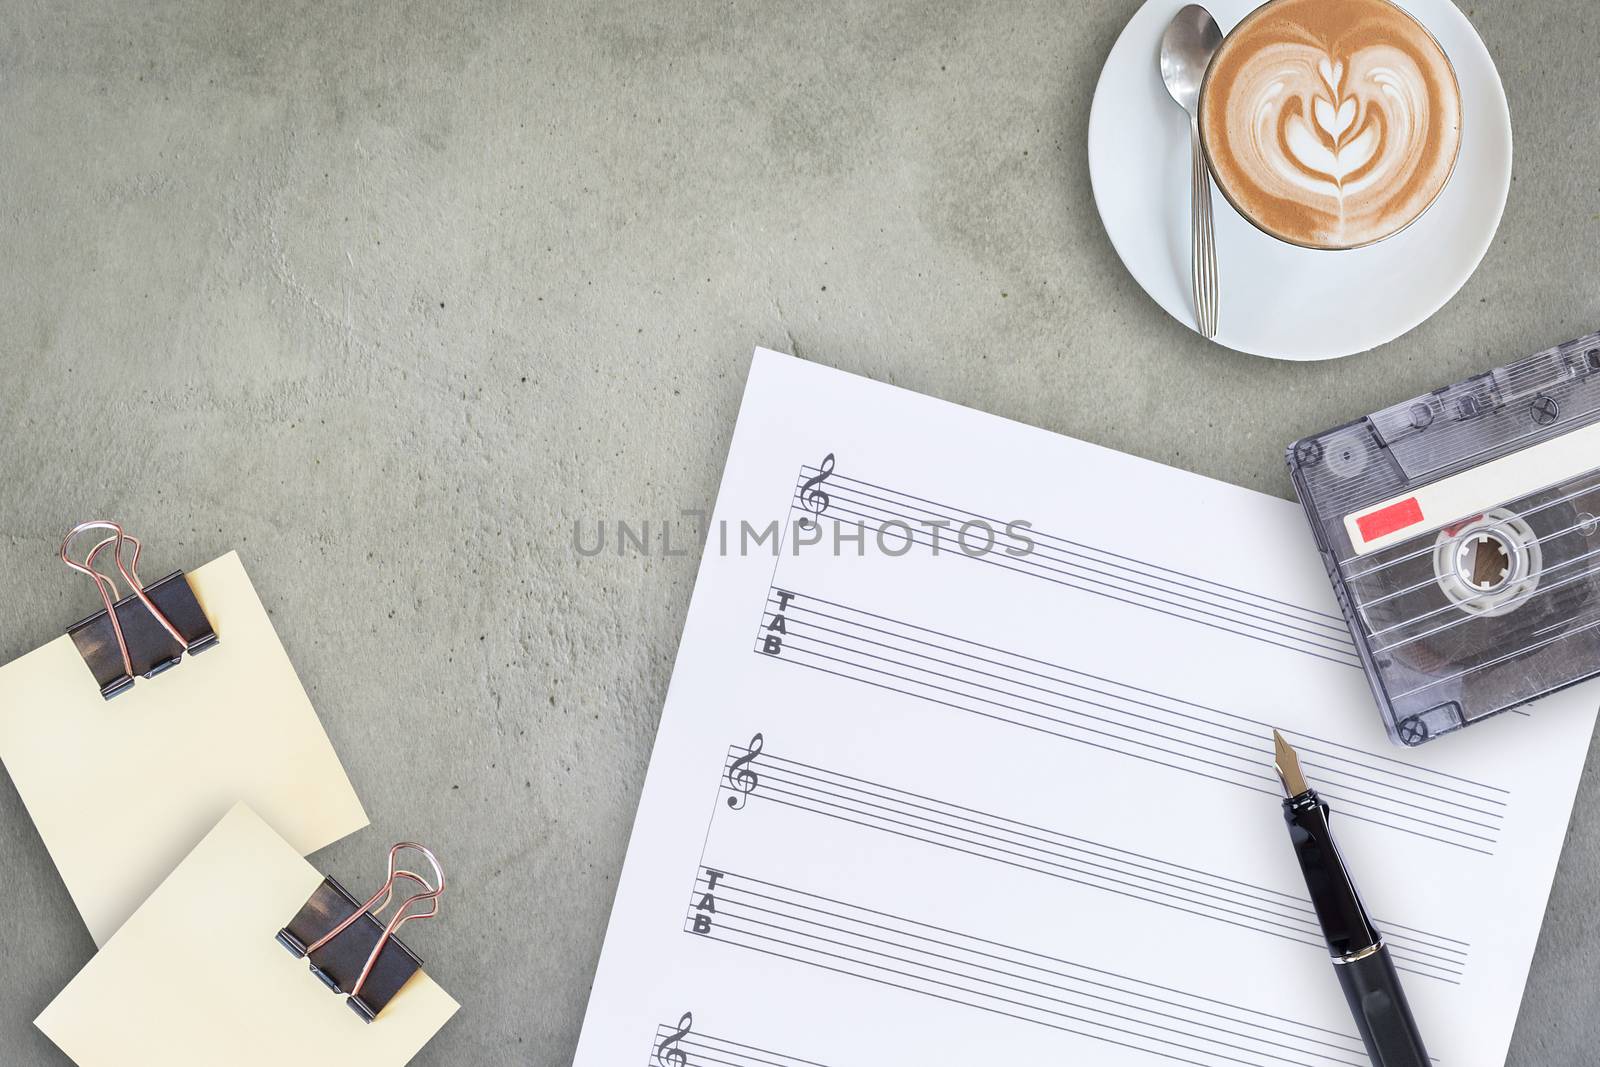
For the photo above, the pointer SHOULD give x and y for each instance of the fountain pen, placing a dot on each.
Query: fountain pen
(1360, 958)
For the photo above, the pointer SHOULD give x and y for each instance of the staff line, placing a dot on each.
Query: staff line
(1180, 754)
(1089, 547)
(1401, 952)
(1252, 748)
(1164, 868)
(1107, 748)
(1298, 913)
(1259, 724)
(1112, 572)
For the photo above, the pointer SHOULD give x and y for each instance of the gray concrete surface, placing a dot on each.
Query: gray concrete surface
(387, 295)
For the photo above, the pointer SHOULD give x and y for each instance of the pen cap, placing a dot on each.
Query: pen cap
(1333, 893)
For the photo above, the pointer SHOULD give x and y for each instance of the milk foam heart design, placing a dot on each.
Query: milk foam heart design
(1331, 123)
(1332, 135)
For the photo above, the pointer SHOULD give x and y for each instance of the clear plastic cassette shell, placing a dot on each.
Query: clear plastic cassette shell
(1461, 530)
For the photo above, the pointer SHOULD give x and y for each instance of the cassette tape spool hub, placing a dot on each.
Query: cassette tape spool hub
(1460, 532)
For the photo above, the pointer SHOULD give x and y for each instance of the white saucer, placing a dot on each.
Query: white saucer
(1276, 299)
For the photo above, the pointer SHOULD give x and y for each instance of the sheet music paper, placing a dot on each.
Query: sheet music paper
(196, 978)
(122, 789)
(1017, 805)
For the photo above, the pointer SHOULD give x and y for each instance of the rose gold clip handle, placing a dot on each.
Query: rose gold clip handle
(428, 897)
(108, 588)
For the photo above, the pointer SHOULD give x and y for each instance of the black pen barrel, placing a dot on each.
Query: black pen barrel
(1343, 919)
(1366, 974)
(1382, 1015)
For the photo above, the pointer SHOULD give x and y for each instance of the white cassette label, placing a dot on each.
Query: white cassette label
(1470, 493)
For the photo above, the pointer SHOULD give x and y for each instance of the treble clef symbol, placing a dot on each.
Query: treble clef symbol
(812, 496)
(668, 1054)
(741, 777)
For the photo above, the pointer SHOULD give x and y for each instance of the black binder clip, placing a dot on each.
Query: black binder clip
(144, 633)
(351, 952)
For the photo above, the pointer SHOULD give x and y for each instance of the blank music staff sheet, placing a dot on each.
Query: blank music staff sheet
(967, 758)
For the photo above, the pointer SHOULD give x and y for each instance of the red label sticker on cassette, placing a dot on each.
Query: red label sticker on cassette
(1396, 516)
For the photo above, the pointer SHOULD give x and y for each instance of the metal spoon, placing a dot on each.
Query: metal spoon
(1186, 49)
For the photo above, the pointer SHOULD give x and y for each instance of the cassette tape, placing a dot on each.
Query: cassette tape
(1462, 533)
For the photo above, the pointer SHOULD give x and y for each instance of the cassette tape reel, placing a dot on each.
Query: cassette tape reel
(1462, 534)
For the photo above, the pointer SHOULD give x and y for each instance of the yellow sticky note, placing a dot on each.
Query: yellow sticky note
(122, 789)
(196, 978)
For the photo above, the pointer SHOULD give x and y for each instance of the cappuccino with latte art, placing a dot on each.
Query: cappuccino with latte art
(1331, 123)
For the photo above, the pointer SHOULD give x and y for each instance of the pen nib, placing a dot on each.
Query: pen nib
(1287, 765)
